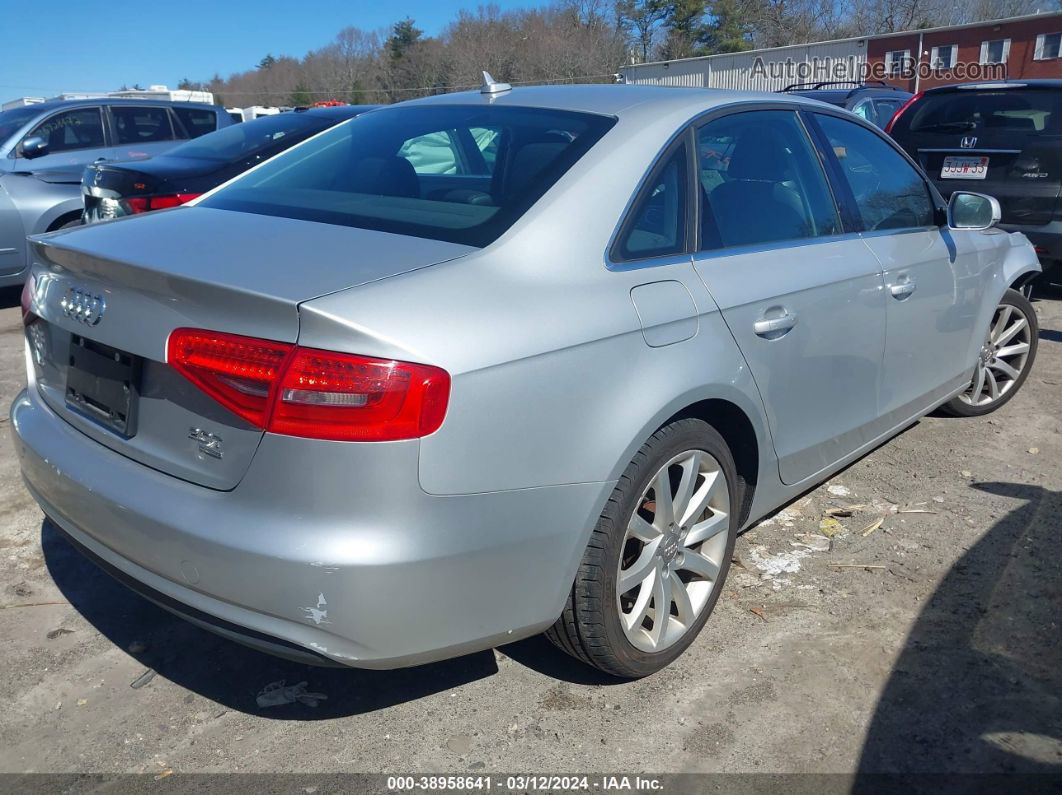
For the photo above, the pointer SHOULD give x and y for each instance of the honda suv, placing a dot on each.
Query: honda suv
(1003, 139)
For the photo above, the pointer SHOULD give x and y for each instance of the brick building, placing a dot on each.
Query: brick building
(1020, 47)
(1017, 47)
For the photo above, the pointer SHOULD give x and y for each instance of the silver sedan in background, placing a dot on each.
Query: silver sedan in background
(355, 410)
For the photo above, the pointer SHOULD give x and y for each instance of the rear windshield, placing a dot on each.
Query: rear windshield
(240, 140)
(1010, 111)
(462, 174)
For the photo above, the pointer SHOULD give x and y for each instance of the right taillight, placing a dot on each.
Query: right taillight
(900, 111)
(318, 394)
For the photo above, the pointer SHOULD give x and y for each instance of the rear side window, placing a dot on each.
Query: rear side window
(1008, 111)
(394, 170)
(657, 223)
(74, 129)
(135, 125)
(196, 121)
(761, 182)
(889, 193)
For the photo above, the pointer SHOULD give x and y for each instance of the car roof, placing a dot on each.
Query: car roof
(995, 84)
(44, 107)
(607, 99)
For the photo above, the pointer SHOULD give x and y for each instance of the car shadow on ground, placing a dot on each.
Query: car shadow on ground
(978, 685)
(10, 296)
(233, 675)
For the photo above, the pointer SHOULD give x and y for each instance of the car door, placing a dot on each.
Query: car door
(12, 234)
(75, 138)
(803, 298)
(141, 130)
(935, 279)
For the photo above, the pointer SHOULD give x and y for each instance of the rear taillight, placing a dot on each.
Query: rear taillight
(145, 204)
(26, 300)
(900, 111)
(296, 391)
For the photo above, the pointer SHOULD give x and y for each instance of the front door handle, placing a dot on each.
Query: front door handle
(902, 290)
(774, 327)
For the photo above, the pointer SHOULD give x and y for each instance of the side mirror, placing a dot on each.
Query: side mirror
(34, 146)
(973, 211)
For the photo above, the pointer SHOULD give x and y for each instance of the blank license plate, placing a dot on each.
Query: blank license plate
(964, 168)
(102, 383)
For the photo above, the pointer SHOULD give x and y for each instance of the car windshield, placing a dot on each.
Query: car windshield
(248, 138)
(1012, 111)
(12, 120)
(463, 174)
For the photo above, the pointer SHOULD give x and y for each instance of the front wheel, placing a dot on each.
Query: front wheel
(657, 558)
(1005, 359)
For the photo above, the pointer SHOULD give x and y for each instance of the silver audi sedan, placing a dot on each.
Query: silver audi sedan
(490, 364)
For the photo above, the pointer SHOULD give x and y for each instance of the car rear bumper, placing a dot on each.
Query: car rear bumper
(1046, 238)
(325, 546)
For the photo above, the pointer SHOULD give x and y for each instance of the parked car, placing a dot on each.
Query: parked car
(45, 147)
(1005, 139)
(875, 100)
(112, 190)
(356, 414)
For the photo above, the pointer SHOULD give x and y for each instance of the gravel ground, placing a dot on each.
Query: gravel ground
(928, 641)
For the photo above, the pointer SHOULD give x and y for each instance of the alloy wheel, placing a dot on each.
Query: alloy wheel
(673, 550)
(1002, 359)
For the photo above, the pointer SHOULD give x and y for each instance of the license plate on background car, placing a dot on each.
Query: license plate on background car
(964, 168)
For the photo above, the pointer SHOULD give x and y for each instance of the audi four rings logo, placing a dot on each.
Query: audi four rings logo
(82, 306)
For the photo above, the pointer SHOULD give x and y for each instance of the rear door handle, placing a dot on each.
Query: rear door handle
(902, 290)
(776, 326)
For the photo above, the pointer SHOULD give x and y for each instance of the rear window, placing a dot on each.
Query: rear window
(462, 174)
(1010, 111)
(242, 140)
(197, 121)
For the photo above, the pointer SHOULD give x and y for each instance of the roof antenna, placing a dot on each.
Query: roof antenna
(491, 87)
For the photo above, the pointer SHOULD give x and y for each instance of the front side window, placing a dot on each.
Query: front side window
(136, 125)
(1048, 46)
(889, 193)
(658, 221)
(761, 182)
(392, 170)
(74, 129)
(996, 51)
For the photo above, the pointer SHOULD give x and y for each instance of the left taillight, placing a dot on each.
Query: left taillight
(313, 393)
(145, 204)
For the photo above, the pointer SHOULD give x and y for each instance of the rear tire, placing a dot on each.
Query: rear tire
(1005, 360)
(675, 551)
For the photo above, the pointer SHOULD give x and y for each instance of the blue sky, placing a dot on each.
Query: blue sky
(74, 45)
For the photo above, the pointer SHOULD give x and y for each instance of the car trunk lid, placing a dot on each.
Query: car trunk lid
(109, 295)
